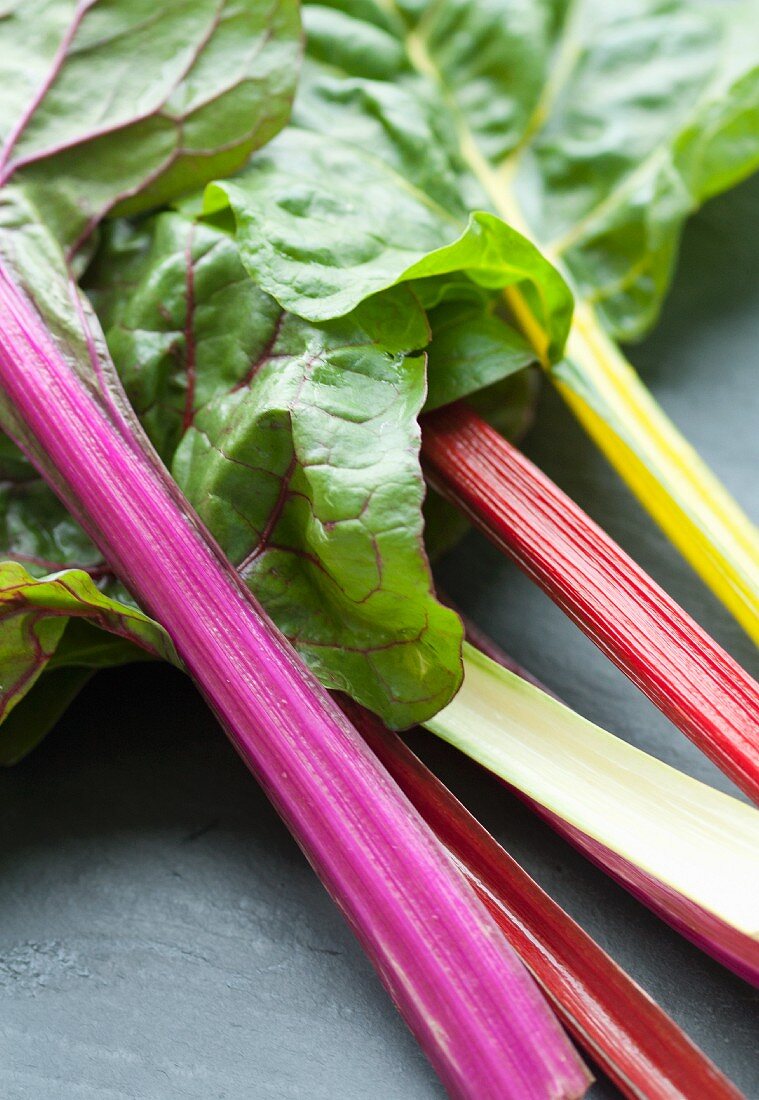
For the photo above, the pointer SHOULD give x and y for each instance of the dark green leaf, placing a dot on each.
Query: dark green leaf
(298, 445)
(596, 126)
(131, 103)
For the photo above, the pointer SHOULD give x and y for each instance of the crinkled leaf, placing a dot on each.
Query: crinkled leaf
(131, 103)
(34, 613)
(600, 126)
(595, 127)
(298, 445)
(123, 105)
(326, 218)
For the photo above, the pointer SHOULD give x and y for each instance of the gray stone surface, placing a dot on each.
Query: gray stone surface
(160, 934)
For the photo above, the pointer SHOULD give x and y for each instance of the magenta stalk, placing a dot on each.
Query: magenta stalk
(462, 991)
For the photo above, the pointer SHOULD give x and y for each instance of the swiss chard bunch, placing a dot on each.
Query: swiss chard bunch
(229, 415)
(364, 286)
(120, 107)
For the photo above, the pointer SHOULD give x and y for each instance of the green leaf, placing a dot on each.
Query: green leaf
(298, 445)
(108, 108)
(471, 349)
(128, 104)
(326, 219)
(597, 127)
(34, 614)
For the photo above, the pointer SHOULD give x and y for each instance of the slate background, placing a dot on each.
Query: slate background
(161, 935)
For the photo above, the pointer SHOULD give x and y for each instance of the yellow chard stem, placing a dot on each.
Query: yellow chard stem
(658, 464)
(606, 395)
(663, 470)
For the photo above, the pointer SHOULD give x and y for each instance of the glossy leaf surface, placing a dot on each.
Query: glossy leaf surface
(365, 191)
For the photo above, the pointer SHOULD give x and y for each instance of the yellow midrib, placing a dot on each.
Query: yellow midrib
(661, 468)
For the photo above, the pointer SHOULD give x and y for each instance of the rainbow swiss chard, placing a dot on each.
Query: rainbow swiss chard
(139, 284)
(280, 447)
(514, 110)
(75, 148)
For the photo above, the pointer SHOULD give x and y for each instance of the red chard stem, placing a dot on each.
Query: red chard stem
(621, 1027)
(629, 617)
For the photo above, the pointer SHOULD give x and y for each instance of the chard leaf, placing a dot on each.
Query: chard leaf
(34, 613)
(596, 127)
(298, 444)
(105, 106)
(324, 219)
(320, 253)
(471, 349)
(130, 103)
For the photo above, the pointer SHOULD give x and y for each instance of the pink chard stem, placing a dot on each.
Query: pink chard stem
(632, 1039)
(461, 989)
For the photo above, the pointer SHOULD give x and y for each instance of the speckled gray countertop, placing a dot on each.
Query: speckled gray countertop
(160, 933)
